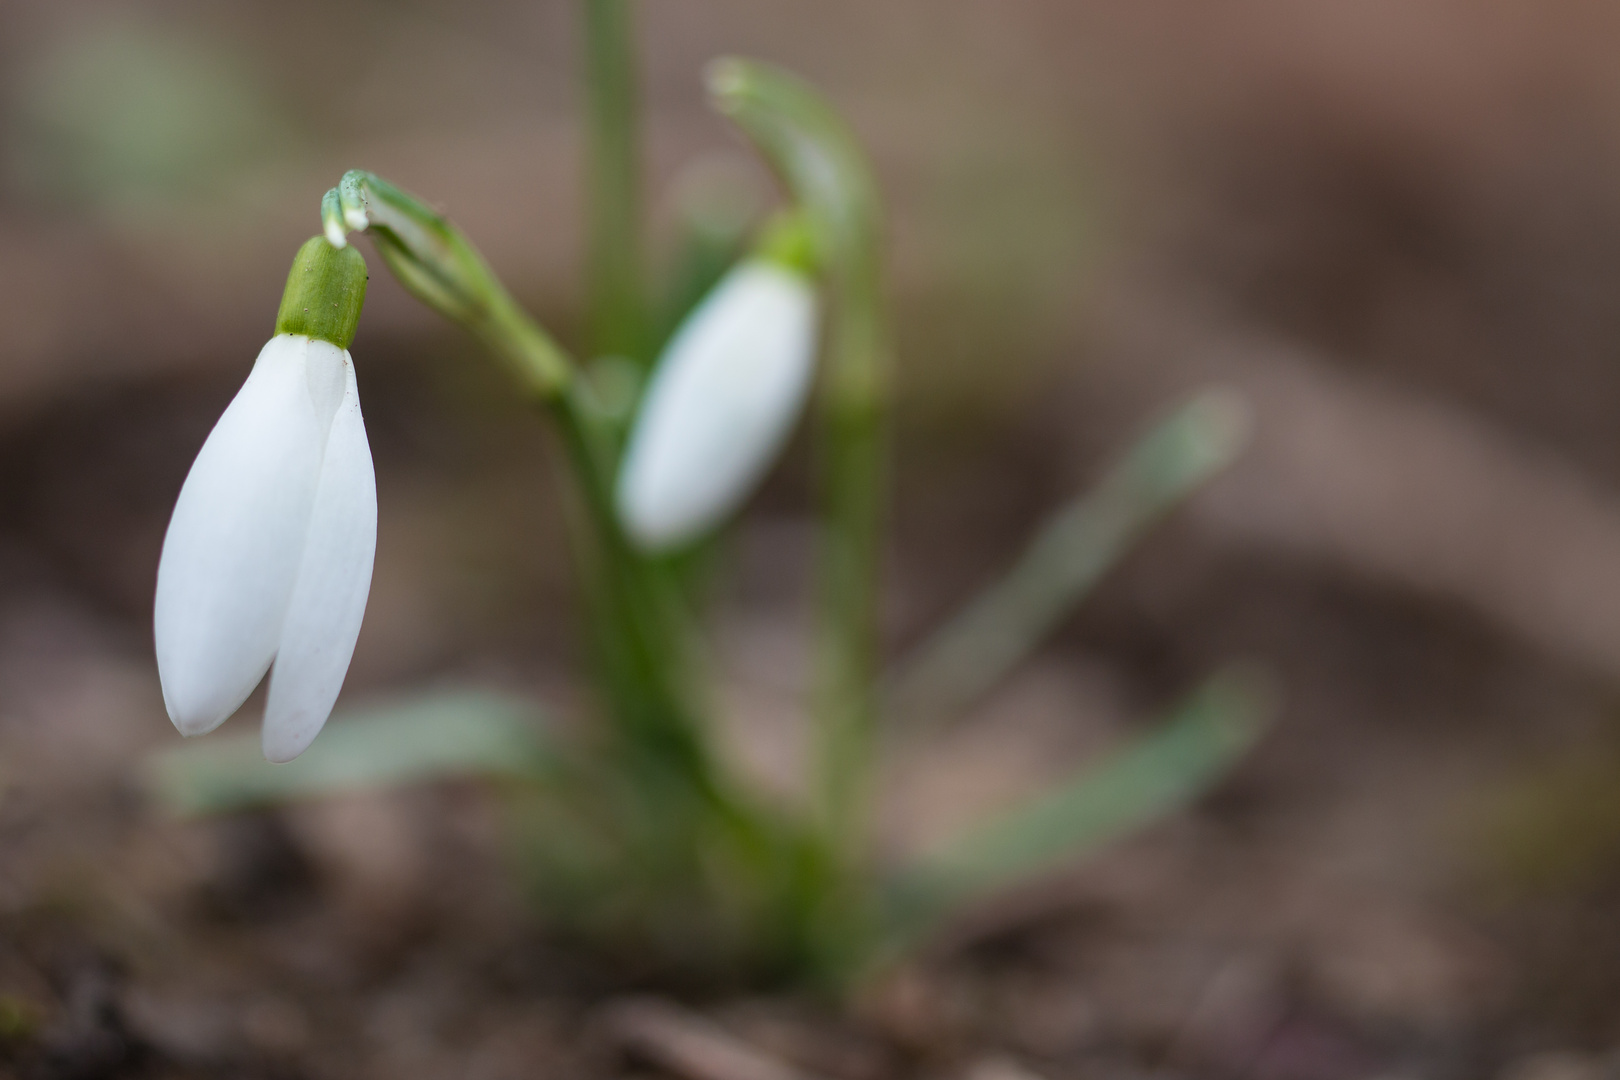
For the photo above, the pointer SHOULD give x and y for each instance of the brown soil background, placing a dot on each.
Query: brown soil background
(1394, 224)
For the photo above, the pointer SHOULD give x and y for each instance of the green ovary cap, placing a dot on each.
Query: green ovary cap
(325, 291)
(788, 241)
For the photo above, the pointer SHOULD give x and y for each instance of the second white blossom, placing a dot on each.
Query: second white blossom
(721, 403)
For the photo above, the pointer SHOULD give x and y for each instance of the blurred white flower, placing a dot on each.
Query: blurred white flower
(269, 553)
(720, 404)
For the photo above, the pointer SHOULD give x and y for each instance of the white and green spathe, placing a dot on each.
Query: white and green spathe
(269, 552)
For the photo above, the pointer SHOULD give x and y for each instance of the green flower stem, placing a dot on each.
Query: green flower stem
(821, 164)
(854, 484)
(636, 640)
(613, 181)
(432, 259)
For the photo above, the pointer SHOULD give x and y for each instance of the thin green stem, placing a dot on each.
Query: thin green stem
(636, 643)
(613, 181)
(433, 260)
(854, 483)
(821, 163)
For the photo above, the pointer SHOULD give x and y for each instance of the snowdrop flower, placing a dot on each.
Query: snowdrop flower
(720, 404)
(268, 555)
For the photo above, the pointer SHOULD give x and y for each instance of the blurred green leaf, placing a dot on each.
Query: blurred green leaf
(436, 736)
(1074, 549)
(1138, 784)
(125, 111)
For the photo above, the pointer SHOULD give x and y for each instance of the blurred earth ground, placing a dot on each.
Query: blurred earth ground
(1395, 225)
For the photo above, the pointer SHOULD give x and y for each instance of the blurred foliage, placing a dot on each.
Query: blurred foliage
(1141, 782)
(127, 114)
(1070, 554)
(433, 736)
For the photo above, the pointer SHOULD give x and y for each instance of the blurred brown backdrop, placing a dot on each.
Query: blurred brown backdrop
(1394, 224)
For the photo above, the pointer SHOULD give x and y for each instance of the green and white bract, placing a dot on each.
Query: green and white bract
(269, 553)
(721, 402)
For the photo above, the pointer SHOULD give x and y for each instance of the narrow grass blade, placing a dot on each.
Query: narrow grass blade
(1070, 554)
(436, 736)
(1137, 785)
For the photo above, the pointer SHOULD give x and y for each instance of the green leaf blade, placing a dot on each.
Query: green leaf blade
(1074, 549)
(437, 736)
(1137, 785)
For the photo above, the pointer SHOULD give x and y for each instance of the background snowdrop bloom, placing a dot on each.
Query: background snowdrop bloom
(269, 553)
(722, 400)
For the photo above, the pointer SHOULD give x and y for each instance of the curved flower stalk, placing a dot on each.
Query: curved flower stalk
(821, 164)
(432, 259)
(269, 553)
(720, 404)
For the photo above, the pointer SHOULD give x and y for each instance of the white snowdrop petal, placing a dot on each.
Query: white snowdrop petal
(722, 401)
(329, 594)
(236, 537)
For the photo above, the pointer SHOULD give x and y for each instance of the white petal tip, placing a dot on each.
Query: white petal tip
(193, 723)
(356, 217)
(281, 747)
(335, 237)
(280, 755)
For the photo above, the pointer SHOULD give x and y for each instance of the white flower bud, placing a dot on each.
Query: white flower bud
(720, 404)
(268, 555)
(269, 552)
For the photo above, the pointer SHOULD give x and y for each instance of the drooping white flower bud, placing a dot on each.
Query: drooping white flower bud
(719, 405)
(269, 553)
